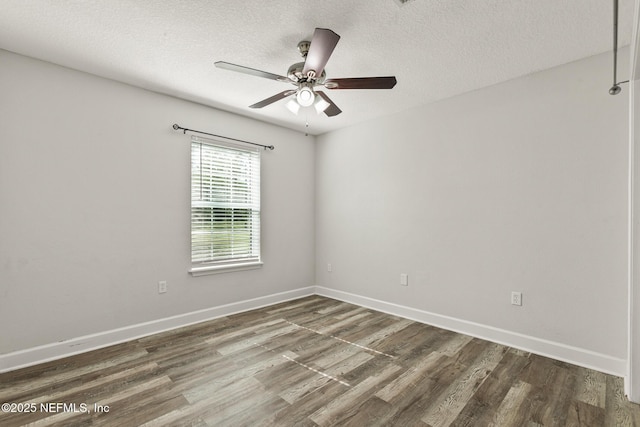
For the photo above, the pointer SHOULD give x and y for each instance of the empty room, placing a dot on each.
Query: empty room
(353, 213)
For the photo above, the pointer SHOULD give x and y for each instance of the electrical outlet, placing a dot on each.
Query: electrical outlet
(329, 268)
(162, 286)
(404, 279)
(516, 298)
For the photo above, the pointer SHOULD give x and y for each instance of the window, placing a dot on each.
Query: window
(225, 206)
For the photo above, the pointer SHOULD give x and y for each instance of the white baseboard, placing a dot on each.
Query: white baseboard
(574, 355)
(58, 350)
(559, 351)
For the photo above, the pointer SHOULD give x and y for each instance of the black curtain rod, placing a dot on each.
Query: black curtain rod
(185, 130)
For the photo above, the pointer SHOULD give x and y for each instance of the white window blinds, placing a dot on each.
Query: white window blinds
(225, 203)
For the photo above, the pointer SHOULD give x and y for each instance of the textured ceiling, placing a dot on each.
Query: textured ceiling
(435, 48)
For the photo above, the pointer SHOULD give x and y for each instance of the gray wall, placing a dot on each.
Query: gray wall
(94, 206)
(520, 186)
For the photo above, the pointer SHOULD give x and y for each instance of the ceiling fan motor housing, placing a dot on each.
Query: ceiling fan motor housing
(295, 74)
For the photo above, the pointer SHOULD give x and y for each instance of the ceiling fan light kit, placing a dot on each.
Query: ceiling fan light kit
(293, 106)
(308, 75)
(320, 105)
(305, 95)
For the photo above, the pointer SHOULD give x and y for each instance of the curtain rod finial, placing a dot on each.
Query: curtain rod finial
(175, 126)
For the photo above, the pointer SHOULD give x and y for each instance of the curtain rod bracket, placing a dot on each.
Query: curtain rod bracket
(184, 131)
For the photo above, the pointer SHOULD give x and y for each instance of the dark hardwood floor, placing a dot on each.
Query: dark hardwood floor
(313, 361)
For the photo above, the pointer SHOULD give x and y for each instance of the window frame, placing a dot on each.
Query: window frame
(245, 164)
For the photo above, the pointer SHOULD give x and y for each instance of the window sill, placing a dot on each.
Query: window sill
(217, 269)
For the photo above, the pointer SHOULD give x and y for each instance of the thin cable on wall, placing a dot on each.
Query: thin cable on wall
(185, 130)
(615, 89)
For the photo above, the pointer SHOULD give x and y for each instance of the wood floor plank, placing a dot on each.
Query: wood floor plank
(617, 408)
(455, 344)
(334, 353)
(256, 338)
(370, 413)
(146, 409)
(482, 407)
(591, 387)
(404, 341)
(411, 376)
(582, 414)
(314, 362)
(332, 325)
(426, 340)
(229, 379)
(372, 340)
(458, 394)
(410, 406)
(298, 413)
(364, 328)
(70, 369)
(351, 313)
(344, 407)
(550, 404)
(243, 405)
(299, 389)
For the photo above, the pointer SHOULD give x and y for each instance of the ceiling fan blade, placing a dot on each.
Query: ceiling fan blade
(272, 99)
(252, 71)
(361, 83)
(332, 109)
(321, 48)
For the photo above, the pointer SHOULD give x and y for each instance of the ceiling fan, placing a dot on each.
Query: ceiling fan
(310, 74)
